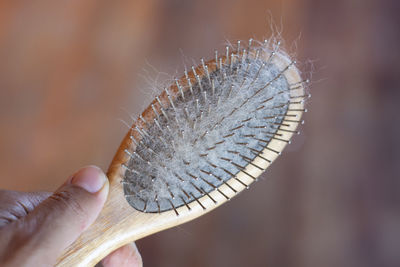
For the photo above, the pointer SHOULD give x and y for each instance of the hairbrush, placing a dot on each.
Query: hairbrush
(204, 139)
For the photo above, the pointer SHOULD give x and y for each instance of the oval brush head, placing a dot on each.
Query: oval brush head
(199, 143)
(209, 126)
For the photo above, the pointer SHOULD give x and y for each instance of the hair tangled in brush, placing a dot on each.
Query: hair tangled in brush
(208, 126)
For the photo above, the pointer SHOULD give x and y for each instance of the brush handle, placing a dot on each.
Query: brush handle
(118, 223)
(110, 230)
(105, 235)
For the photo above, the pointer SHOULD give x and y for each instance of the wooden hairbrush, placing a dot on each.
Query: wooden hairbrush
(198, 144)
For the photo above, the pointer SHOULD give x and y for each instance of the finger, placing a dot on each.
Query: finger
(125, 256)
(28, 199)
(15, 205)
(32, 199)
(59, 220)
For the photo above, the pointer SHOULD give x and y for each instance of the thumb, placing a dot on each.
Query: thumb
(61, 218)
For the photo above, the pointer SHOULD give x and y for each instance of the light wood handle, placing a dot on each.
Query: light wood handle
(118, 223)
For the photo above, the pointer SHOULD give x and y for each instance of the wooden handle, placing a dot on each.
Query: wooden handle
(118, 223)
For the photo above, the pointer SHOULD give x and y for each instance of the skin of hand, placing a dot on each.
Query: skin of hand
(36, 227)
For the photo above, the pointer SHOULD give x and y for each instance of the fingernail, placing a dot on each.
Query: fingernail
(91, 178)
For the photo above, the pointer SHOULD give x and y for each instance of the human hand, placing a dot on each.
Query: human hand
(36, 227)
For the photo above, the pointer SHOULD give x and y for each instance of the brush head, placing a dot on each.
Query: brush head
(214, 130)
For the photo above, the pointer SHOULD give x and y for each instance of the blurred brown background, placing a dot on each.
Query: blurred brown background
(333, 199)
